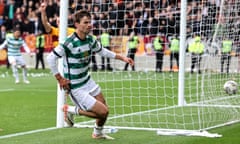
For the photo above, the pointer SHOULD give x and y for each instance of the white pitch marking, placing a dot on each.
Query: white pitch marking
(5, 90)
(28, 132)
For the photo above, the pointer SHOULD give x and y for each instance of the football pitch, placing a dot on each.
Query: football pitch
(28, 116)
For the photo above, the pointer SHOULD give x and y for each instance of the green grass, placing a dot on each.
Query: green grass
(25, 108)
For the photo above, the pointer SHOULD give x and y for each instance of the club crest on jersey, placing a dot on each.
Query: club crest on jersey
(86, 54)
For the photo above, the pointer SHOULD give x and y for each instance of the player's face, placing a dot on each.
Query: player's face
(84, 26)
(17, 34)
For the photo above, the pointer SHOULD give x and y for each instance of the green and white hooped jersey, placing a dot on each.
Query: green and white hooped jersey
(13, 45)
(76, 55)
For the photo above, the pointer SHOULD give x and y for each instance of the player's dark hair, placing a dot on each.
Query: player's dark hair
(80, 14)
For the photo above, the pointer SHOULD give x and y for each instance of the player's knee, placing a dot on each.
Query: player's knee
(104, 113)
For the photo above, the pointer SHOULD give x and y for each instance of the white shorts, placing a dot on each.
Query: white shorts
(18, 60)
(84, 97)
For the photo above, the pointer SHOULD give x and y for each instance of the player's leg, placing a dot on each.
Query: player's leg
(171, 61)
(132, 56)
(109, 61)
(194, 61)
(199, 63)
(100, 121)
(222, 62)
(90, 102)
(41, 58)
(228, 62)
(103, 63)
(161, 60)
(157, 61)
(21, 62)
(37, 61)
(98, 111)
(176, 55)
(13, 63)
(93, 107)
(126, 65)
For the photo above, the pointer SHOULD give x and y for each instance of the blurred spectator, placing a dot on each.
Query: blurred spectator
(154, 24)
(51, 9)
(9, 11)
(30, 6)
(112, 12)
(96, 20)
(19, 3)
(155, 5)
(103, 21)
(37, 25)
(19, 21)
(112, 20)
(27, 27)
(3, 33)
(2, 5)
(171, 26)
(1, 20)
(104, 5)
(120, 17)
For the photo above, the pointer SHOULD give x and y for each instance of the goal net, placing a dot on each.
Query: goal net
(148, 99)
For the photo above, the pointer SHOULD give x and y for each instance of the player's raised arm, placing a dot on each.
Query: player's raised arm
(26, 48)
(46, 24)
(125, 59)
(107, 53)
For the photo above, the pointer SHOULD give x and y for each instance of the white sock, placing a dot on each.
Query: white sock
(24, 73)
(97, 129)
(73, 110)
(15, 72)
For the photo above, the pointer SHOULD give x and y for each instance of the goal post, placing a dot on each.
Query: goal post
(183, 26)
(62, 35)
(189, 100)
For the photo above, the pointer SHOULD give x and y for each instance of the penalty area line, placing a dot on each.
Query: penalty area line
(28, 132)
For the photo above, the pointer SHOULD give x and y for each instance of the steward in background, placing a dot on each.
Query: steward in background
(196, 48)
(40, 41)
(133, 42)
(226, 53)
(105, 39)
(159, 51)
(174, 48)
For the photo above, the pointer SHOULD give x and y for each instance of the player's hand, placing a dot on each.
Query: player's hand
(129, 60)
(64, 84)
(43, 6)
(31, 54)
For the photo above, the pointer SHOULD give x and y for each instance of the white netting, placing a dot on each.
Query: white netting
(149, 100)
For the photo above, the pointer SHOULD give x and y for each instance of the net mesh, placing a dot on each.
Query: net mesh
(145, 98)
